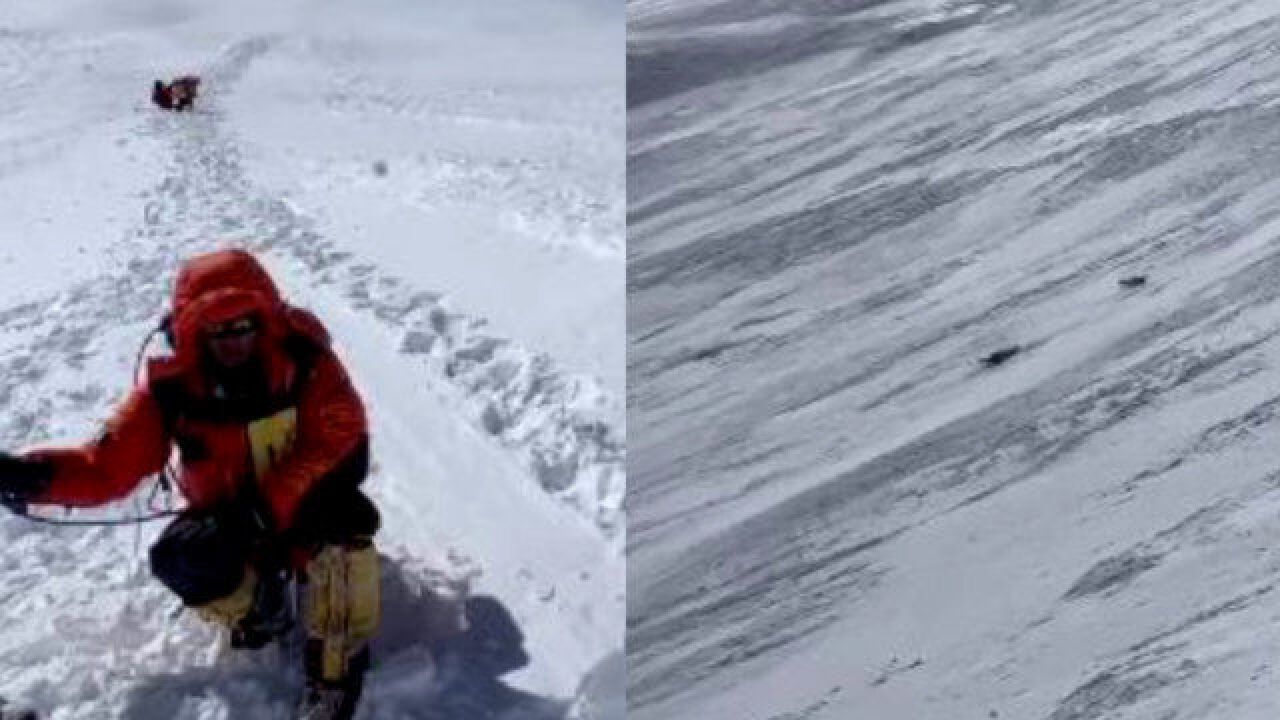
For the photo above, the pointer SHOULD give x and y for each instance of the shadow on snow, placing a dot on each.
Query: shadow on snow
(419, 672)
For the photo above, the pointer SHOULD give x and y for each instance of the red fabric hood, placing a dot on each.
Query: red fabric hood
(220, 286)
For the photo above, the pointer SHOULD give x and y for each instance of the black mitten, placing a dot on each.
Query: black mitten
(22, 479)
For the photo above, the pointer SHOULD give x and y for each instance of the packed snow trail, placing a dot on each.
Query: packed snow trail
(836, 510)
(485, 470)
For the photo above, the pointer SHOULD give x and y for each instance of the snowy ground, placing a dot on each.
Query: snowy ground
(835, 210)
(474, 288)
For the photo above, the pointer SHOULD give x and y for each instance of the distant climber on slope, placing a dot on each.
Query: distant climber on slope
(178, 95)
(272, 445)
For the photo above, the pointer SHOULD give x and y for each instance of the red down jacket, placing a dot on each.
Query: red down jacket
(314, 419)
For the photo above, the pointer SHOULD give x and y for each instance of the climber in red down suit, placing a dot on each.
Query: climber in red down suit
(177, 95)
(273, 447)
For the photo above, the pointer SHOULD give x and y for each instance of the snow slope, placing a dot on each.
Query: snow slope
(837, 208)
(496, 413)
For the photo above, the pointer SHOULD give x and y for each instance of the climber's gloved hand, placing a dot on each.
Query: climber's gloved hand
(22, 479)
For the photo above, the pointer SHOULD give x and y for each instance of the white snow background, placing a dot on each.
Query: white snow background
(837, 207)
(443, 184)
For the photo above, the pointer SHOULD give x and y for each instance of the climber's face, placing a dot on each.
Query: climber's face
(233, 343)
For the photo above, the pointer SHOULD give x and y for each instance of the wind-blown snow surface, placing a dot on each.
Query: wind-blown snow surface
(443, 185)
(837, 208)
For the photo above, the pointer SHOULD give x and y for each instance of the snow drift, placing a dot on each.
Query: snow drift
(837, 510)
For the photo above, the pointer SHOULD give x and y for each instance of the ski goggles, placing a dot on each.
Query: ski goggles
(238, 328)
